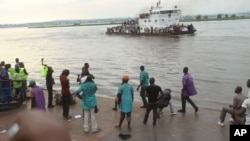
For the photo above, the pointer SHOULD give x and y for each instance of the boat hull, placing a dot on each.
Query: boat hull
(153, 34)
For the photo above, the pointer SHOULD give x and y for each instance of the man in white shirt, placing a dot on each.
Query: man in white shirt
(246, 105)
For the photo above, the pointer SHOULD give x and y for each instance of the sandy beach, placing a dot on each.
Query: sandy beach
(181, 127)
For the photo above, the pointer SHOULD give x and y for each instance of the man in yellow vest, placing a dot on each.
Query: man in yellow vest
(23, 76)
(17, 84)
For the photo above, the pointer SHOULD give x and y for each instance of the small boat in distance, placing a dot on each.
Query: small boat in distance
(158, 21)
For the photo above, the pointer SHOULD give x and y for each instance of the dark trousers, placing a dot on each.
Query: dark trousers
(23, 91)
(151, 106)
(143, 96)
(50, 95)
(17, 93)
(183, 102)
(126, 114)
(65, 104)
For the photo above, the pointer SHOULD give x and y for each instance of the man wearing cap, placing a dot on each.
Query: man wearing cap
(37, 96)
(126, 96)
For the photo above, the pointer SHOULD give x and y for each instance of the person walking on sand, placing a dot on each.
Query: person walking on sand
(153, 92)
(188, 89)
(65, 93)
(143, 84)
(234, 108)
(89, 102)
(126, 96)
(37, 96)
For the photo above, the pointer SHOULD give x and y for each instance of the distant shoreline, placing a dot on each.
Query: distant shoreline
(111, 22)
(96, 24)
(215, 19)
(53, 26)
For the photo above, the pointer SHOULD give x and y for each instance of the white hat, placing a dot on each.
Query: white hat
(83, 79)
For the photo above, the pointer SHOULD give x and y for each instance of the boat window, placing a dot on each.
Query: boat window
(169, 11)
(163, 12)
(169, 15)
(149, 20)
(162, 20)
(157, 12)
(156, 21)
(145, 21)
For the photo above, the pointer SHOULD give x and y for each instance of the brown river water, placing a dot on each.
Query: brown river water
(217, 56)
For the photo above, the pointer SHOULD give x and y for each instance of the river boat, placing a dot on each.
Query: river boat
(158, 21)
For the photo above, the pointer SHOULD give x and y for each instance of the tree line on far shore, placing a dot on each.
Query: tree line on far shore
(215, 17)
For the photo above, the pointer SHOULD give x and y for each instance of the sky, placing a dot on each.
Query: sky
(24, 11)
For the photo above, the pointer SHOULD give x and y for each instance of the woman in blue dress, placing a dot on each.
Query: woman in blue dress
(126, 96)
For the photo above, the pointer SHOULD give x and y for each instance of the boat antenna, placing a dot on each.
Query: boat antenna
(158, 3)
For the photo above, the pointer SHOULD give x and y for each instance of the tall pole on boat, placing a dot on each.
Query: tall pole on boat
(158, 3)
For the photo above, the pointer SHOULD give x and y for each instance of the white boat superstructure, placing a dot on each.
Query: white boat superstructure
(158, 21)
(159, 18)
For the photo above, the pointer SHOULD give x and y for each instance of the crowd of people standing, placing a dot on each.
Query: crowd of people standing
(13, 80)
(152, 95)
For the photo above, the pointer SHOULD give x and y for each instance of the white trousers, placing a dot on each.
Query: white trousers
(87, 113)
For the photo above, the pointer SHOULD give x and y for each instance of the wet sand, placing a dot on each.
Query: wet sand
(181, 127)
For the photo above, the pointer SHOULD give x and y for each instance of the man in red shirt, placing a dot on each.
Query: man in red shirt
(65, 93)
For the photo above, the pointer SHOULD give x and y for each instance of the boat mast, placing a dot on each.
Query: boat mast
(158, 3)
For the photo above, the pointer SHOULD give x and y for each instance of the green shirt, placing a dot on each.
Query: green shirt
(144, 78)
(88, 89)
